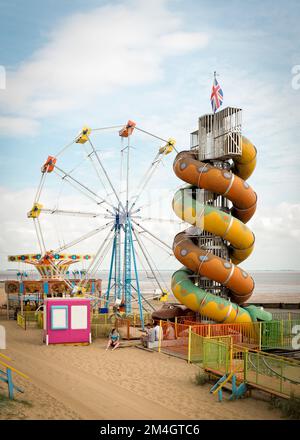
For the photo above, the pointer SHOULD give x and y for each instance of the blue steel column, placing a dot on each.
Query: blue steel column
(136, 274)
(111, 270)
(127, 257)
(118, 293)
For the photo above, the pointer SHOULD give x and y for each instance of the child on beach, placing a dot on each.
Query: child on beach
(149, 336)
(114, 340)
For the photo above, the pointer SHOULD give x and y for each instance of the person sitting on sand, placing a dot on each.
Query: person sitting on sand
(149, 336)
(170, 332)
(114, 340)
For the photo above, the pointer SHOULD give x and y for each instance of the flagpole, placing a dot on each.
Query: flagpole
(213, 119)
(215, 77)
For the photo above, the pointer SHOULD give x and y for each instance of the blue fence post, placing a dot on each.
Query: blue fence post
(21, 288)
(220, 395)
(233, 382)
(46, 288)
(10, 383)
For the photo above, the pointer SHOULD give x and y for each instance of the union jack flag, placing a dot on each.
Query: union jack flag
(216, 97)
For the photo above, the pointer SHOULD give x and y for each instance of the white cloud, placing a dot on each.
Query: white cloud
(18, 126)
(95, 53)
(277, 237)
(182, 42)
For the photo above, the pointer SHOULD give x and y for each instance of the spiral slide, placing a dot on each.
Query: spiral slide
(230, 226)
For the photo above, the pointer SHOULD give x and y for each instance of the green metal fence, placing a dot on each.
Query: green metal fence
(278, 334)
(285, 315)
(217, 356)
(196, 346)
(274, 374)
(100, 330)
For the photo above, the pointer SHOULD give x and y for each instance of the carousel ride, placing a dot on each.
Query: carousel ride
(52, 279)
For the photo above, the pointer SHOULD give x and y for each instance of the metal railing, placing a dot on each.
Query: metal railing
(274, 374)
(30, 319)
(6, 376)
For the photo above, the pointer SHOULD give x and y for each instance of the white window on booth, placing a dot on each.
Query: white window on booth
(79, 319)
(59, 317)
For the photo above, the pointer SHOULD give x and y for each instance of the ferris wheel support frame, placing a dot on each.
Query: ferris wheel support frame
(121, 215)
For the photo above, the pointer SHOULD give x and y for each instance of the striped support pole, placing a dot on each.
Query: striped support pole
(245, 365)
(159, 339)
(231, 355)
(190, 344)
(259, 335)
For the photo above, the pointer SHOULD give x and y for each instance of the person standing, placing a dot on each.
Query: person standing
(158, 331)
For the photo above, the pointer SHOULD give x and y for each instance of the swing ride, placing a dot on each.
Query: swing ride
(123, 216)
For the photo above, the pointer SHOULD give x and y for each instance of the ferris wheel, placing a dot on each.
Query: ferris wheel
(119, 209)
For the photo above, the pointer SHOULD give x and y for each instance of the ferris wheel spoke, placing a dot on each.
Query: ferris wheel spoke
(104, 171)
(153, 262)
(157, 199)
(39, 235)
(65, 148)
(40, 187)
(82, 238)
(144, 252)
(152, 235)
(90, 270)
(146, 270)
(155, 219)
(156, 243)
(66, 176)
(146, 178)
(158, 159)
(84, 193)
(90, 157)
(101, 257)
(74, 213)
(113, 127)
(143, 299)
(153, 135)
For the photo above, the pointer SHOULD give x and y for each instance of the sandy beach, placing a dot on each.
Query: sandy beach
(86, 382)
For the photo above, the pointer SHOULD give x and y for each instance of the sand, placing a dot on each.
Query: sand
(73, 382)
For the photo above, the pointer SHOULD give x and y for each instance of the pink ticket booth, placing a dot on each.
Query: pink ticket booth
(67, 320)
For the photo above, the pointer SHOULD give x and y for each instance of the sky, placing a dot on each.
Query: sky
(67, 64)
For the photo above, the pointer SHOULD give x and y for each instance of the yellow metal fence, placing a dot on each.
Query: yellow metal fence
(30, 319)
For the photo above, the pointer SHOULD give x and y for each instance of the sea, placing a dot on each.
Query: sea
(270, 286)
